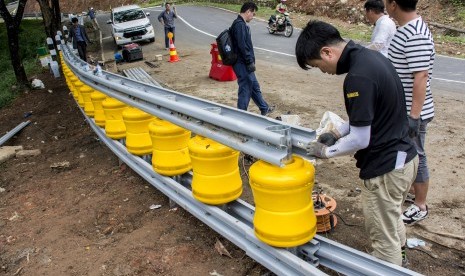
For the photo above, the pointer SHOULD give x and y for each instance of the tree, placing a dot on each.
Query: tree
(12, 26)
(52, 16)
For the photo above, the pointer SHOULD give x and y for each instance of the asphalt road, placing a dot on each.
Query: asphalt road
(198, 26)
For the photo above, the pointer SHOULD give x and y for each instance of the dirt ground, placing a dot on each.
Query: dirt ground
(93, 218)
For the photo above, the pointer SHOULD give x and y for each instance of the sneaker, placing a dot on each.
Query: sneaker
(413, 214)
(270, 109)
(404, 257)
(410, 198)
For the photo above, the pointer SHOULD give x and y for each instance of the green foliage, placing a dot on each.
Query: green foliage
(458, 3)
(152, 3)
(31, 36)
(88, 25)
(461, 13)
(6, 92)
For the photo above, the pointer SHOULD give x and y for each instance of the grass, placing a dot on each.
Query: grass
(31, 36)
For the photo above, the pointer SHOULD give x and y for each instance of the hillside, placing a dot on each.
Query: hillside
(352, 11)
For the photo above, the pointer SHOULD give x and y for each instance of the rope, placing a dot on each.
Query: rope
(324, 206)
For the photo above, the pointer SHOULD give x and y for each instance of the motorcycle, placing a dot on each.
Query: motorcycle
(281, 23)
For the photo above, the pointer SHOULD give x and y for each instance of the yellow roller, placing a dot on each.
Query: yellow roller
(284, 215)
(138, 140)
(88, 106)
(216, 177)
(99, 115)
(170, 154)
(114, 125)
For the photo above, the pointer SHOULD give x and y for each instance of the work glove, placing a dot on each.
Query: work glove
(328, 138)
(413, 126)
(316, 149)
(251, 67)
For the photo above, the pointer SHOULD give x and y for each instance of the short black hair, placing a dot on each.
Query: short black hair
(406, 5)
(374, 5)
(314, 36)
(74, 20)
(249, 6)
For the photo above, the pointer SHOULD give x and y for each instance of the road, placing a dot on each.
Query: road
(198, 26)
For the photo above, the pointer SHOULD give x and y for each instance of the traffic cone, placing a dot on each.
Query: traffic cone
(173, 54)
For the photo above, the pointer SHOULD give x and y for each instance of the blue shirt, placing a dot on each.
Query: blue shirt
(78, 34)
(168, 18)
(91, 14)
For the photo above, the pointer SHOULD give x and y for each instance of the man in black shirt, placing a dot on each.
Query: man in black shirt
(377, 131)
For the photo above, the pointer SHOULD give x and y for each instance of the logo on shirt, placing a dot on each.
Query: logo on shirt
(352, 94)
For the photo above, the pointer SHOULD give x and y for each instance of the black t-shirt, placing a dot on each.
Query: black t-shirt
(374, 95)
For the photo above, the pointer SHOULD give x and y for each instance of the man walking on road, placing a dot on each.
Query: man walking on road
(412, 53)
(166, 18)
(79, 37)
(245, 65)
(93, 19)
(377, 131)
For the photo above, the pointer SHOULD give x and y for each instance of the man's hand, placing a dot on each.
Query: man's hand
(251, 67)
(328, 138)
(316, 149)
(413, 126)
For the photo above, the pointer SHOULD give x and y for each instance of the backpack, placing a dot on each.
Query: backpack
(226, 48)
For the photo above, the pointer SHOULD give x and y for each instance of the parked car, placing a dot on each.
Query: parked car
(130, 24)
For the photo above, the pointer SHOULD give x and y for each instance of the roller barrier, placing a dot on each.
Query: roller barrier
(256, 135)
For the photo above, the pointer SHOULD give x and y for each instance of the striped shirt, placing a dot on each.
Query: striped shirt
(412, 50)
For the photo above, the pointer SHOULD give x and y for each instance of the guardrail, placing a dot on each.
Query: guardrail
(252, 134)
(239, 130)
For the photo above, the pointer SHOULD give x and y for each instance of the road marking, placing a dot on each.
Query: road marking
(276, 52)
(214, 36)
(198, 30)
(457, 58)
(107, 37)
(463, 82)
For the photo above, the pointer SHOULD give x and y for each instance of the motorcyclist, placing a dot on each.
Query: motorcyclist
(281, 10)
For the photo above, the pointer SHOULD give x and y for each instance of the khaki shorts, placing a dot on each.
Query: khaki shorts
(382, 199)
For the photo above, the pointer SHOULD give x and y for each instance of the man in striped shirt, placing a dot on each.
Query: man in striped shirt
(412, 53)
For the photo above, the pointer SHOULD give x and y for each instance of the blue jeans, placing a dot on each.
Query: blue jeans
(248, 88)
(419, 142)
(167, 40)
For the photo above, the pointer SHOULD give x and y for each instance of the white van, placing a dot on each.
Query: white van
(130, 24)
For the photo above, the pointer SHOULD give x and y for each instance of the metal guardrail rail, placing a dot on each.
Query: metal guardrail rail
(12, 132)
(234, 220)
(244, 131)
(140, 75)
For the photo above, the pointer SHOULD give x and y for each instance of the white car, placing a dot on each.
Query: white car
(130, 24)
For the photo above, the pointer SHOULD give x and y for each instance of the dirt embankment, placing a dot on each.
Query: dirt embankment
(352, 11)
